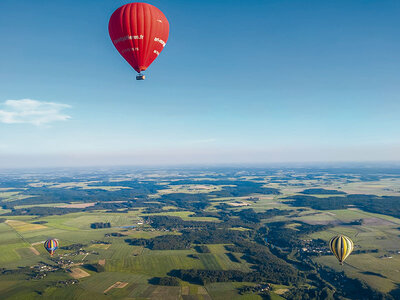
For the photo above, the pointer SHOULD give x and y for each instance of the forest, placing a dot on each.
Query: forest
(386, 205)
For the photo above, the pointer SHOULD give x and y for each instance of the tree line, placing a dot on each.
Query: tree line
(386, 205)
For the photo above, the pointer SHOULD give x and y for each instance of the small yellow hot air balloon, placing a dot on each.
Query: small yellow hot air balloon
(341, 246)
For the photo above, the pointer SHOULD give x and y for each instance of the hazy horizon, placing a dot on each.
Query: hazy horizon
(61, 162)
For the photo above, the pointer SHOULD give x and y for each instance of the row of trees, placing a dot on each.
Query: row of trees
(41, 211)
(189, 238)
(318, 191)
(166, 281)
(202, 249)
(100, 225)
(386, 205)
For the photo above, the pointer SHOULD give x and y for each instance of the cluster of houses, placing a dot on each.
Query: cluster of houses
(262, 287)
(259, 288)
(41, 269)
(315, 247)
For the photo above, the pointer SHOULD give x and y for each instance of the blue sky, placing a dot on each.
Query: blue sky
(238, 82)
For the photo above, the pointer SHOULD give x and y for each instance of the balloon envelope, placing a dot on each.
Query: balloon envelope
(341, 246)
(51, 246)
(139, 31)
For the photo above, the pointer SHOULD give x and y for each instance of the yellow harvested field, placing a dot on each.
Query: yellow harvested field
(79, 205)
(23, 226)
(185, 290)
(38, 243)
(280, 291)
(34, 251)
(81, 185)
(192, 188)
(100, 246)
(117, 285)
(102, 262)
(78, 273)
(243, 203)
(201, 291)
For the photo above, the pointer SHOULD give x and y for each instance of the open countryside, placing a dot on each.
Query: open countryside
(248, 233)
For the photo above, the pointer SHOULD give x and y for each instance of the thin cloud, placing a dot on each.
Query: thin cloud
(31, 111)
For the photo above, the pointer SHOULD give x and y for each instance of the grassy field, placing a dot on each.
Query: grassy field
(228, 290)
(184, 215)
(125, 258)
(40, 205)
(156, 263)
(86, 185)
(10, 241)
(140, 234)
(383, 187)
(380, 233)
(124, 263)
(21, 226)
(134, 266)
(191, 189)
(100, 282)
(12, 196)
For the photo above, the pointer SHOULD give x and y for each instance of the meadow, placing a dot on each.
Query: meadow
(129, 270)
(124, 263)
(378, 232)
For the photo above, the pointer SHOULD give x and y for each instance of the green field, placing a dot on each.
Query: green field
(123, 262)
(184, 215)
(382, 233)
(128, 270)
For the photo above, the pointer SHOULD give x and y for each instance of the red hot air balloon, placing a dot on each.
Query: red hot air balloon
(139, 31)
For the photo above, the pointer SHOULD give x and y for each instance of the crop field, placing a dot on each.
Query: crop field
(184, 215)
(382, 274)
(162, 261)
(15, 287)
(9, 254)
(383, 187)
(148, 234)
(191, 189)
(10, 241)
(218, 259)
(227, 290)
(381, 270)
(21, 226)
(157, 263)
(7, 195)
(136, 265)
(87, 185)
(79, 221)
(4, 211)
(191, 291)
(101, 246)
(270, 202)
(106, 266)
(40, 205)
(17, 235)
(78, 273)
(83, 221)
(103, 280)
(120, 250)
